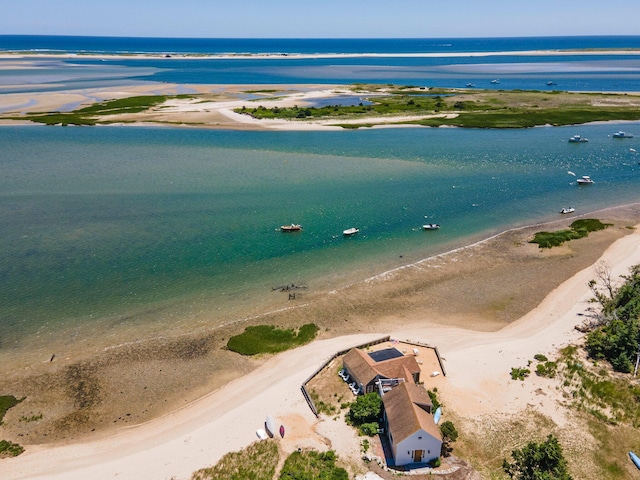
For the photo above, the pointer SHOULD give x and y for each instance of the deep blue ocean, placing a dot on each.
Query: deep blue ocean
(583, 66)
(108, 231)
(212, 46)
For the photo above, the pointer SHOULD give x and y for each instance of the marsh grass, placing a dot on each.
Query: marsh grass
(269, 339)
(473, 109)
(578, 229)
(7, 402)
(91, 115)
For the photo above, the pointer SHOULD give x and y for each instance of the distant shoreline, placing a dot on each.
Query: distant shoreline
(266, 56)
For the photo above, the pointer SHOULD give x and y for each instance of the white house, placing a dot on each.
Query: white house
(414, 436)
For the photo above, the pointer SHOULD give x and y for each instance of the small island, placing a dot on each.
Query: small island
(294, 108)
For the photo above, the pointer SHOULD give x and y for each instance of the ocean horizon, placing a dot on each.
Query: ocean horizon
(217, 46)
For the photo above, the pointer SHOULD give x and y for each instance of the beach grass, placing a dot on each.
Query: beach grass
(269, 339)
(257, 462)
(10, 449)
(312, 464)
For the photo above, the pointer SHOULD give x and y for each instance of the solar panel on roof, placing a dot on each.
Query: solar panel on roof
(386, 354)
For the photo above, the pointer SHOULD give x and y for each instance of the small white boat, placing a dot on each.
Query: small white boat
(495, 82)
(622, 134)
(568, 210)
(350, 231)
(470, 85)
(294, 227)
(551, 83)
(262, 435)
(270, 426)
(585, 180)
(634, 458)
(578, 139)
(431, 226)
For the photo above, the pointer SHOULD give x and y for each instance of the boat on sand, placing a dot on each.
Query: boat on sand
(270, 425)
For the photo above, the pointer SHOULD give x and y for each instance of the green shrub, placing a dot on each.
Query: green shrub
(538, 461)
(366, 409)
(519, 373)
(540, 357)
(311, 465)
(369, 429)
(547, 369)
(434, 398)
(617, 340)
(449, 435)
(10, 449)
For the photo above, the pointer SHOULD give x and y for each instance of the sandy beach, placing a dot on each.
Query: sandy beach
(479, 348)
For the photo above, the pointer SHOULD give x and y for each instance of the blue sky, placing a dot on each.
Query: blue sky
(320, 19)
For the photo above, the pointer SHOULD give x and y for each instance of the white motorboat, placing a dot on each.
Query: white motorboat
(567, 210)
(431, 226)
(622, 134)
(350, 231)
(578, 139)
(585, 180)
(294, 227)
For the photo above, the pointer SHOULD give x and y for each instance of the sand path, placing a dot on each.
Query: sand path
(197, 435)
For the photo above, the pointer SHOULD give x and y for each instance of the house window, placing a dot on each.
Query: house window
(419, 438)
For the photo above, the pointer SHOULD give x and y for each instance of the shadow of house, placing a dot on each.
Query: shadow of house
(366, 369)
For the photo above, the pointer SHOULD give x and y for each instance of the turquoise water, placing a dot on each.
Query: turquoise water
(114, 223)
